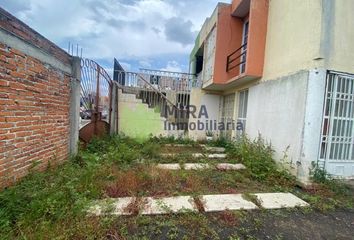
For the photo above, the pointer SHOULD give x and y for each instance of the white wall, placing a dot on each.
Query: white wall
(276, 111)
(212, 103)
(287, 112)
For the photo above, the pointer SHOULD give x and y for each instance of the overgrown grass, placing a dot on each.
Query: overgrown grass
(42, 202)
(52, 204)
(328, 193)
(257, 156)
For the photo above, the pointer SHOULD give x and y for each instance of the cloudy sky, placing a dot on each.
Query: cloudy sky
(155, 34)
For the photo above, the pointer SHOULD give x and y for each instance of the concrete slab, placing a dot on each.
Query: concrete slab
(169, 166)
(214, 155)
(215, 203)
(196, 166)
(198, 155)
(279, 200)
(167, 205)
(214, 149)
(217, 155)
(113, 206)
(177, 145)
(229, 166)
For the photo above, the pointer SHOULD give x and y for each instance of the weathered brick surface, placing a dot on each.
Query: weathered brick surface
(34, 108)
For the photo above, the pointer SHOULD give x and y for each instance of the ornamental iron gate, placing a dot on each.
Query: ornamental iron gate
(95, 100)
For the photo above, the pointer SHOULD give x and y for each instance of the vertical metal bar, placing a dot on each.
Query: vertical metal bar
(345, 119)
(331, 119)
(110, 104)
(352, 121)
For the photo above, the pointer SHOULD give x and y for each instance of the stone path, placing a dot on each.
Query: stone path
(203, 203)
(198, 155)
(182, 204)
(201, 166)
(279, 200)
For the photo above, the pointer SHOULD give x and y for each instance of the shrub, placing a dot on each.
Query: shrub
(257, 156)
(150, 150)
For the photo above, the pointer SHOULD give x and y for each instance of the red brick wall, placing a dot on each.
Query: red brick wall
(34, 110)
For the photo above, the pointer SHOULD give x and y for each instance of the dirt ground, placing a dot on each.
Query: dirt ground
(298, 225)
(276, 224)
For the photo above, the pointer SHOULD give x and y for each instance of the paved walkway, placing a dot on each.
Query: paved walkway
(204, 203)
(201, 166)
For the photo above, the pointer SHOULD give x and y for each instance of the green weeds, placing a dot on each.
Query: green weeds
(52, 204)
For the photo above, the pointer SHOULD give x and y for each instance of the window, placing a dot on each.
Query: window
(242, 110)
(228, 115)
(209, 55)
(244, 46)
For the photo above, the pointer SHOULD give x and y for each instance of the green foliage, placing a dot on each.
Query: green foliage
(257, 156)
(319, 175)
(220, 142)
(150, 150)
(42, 199)
(52, 204)
(171, 140)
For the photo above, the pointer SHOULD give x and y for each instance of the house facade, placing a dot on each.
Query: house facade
(285, 70)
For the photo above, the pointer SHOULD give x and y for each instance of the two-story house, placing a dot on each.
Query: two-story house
(285, 69)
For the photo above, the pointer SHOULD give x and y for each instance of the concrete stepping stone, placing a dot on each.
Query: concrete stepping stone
(196, 166)
(117, 206)
(217, 155)
(214, 155)
(167, 205)
(214, 149)
(279, 200)
(177, 145)
(229, 166)
(169, 166)
(197, 155)
(223, 202)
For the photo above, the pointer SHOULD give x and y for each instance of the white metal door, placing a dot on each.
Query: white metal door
(336, 154)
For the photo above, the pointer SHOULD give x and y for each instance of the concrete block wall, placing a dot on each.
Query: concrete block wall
(35, 94)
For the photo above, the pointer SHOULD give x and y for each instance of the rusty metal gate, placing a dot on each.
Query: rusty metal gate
(95, 101)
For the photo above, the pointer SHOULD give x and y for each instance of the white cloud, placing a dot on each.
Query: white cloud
(126, 29)
(172, 66)
(145, 64)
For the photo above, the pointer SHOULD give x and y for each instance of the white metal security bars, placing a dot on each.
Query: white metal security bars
(337, 137)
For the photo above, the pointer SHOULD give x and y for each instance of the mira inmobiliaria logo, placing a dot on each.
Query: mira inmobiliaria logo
(189, 118)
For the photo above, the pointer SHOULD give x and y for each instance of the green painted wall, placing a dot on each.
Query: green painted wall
(138, 121)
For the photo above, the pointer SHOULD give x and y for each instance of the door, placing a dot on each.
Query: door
(336, 153)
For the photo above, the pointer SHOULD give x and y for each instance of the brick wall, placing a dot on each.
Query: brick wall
(34, 105)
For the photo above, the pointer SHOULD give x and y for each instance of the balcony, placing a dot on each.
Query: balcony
(237, 58)
(230, 48)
